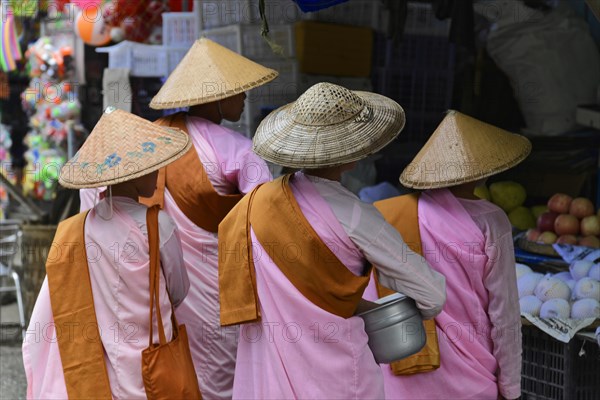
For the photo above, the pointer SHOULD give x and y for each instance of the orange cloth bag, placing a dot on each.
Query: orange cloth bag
(167, 367)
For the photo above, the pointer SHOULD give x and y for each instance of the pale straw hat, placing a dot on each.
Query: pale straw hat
(122, 147)
(463, 149)
(328, 125)
(207, 73)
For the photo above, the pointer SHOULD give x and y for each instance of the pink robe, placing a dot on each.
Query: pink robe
(232, 167)
(298, 350)
(121, 299)
(479, 331)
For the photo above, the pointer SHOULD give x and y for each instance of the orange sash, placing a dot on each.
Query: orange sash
(189, 185)
(402, 213)
(293, 245)
(78, 336)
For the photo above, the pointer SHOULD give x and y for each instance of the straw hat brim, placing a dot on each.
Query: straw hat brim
(463, 150)
(122, 147)
(282, 141)
(122, 177)
(210, 72)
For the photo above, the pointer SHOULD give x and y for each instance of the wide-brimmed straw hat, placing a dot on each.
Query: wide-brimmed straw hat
(207, 73)
(463, 149)
(328, 125)
(122, 147)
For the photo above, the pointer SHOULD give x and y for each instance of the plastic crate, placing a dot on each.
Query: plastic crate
(556, 371)
(421, 20)
(119, 55)
(280, 91)
(149, 61)
(245, 39)
(218, 13)
(180, 29)
(142, 60)
(174, 57)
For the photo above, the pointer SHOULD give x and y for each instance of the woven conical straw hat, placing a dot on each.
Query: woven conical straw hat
(463, 149)
(121, 147)
(328, 125)
(207, 73)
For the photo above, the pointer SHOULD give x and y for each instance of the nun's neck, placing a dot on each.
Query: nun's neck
(330, 173)
(209, 111)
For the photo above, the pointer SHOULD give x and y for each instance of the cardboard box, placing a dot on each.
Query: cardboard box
(330, 49)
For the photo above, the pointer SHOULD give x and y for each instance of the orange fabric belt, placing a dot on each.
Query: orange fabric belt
(189, 185)
(72, 302)
(279, 225)
(402, 213)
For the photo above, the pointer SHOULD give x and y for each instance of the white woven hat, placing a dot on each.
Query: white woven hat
(463, 149)
(328, 125)
(207, 73)
(122, 147)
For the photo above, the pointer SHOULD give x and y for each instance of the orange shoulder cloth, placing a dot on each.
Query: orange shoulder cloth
(189, 185)
(293, 245)
(402, 213)
(77, 332)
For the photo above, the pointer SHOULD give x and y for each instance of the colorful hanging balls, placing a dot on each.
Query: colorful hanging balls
(90, 27)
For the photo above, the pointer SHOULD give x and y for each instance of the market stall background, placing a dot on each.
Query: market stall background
(64, 61)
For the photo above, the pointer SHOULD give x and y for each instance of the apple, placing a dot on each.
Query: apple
(547, 237)
(560, 203)
(590, 226)
(581, 207)
(567, 239)
(566, 224)
(589, 241)
(532, 235)
(545, 221)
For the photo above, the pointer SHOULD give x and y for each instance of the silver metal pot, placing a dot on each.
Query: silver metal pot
(395, 328)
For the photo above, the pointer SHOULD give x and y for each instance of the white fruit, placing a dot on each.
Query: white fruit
(527, 283)
(587, 288)
(555, 308)
(550, 287)
(585, 308)
(580, 269)
(522, 269)
(530, 305)
(563, 276)
(571, 284)
(595, 272)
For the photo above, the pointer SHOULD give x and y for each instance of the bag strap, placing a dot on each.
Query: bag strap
(153, 244)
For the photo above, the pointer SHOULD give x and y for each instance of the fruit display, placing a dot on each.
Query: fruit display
(568, 220)
(509, 196)
(570, 294)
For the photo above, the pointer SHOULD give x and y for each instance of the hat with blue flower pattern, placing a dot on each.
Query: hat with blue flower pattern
(122, 147)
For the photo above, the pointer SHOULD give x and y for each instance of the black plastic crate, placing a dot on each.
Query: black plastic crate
(555, 370)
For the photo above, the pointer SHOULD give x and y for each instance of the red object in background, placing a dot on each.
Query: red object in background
(136, 29)
(130, 8)
(60, 4)
(181, 5)
(110, 14)
(153, 12)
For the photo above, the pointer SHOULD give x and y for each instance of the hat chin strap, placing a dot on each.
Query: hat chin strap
(110, 200)
(220, 111)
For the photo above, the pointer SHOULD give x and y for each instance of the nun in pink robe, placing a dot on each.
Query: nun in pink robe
(121, 299)
(479, 329)
(231, 168)
(299, 350)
